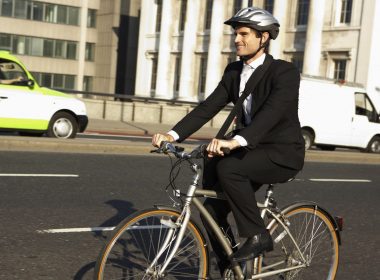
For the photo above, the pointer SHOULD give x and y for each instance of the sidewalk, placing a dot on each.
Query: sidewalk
(140, 129)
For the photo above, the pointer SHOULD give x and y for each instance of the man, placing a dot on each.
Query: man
(268, 148)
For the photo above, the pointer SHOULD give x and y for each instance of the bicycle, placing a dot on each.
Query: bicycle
(166, 243)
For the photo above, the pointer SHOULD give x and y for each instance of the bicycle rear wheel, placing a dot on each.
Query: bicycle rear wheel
(317, 239)
(136, 241)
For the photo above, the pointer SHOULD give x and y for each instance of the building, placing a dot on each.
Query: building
(177, 49)
(184, 46)
(67, 44)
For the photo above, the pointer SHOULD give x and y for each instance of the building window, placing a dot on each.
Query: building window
(302, 12)
(298, 62)
(340, 69)
(154, 73)
(40, 46)
(90, 52)
(231, 57)
(177, 73)
(237, 6)
(7, 8)
(250, 3)
(21, 9)
(268, 5)
(91, 18)
(35, 10)
(208, 15)
(182, 16)
(87, 83)
(48, 48)
(5, 42)
(58, 81)
(71, 50)
(202, 77)
(158, 15)
(345, 14)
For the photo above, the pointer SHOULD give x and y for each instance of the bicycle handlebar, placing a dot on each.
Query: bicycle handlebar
(179, 152)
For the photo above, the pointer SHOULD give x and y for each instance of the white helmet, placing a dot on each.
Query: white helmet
(256, 18)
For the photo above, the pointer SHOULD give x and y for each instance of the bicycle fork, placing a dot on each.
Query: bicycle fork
(181, 223)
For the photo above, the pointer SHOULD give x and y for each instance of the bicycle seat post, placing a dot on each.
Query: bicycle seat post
(269, 195)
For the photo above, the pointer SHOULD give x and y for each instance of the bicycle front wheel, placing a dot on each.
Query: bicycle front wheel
(136, 242)
(316, 238)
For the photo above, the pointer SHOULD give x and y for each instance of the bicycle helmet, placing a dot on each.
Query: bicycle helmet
(256, 18)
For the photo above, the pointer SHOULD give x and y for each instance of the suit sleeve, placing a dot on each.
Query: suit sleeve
(205, 111)
(283, 93)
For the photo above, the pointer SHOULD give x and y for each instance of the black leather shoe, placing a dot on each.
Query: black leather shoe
(253, 247)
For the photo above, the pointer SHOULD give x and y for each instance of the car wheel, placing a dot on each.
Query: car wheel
(374, 145)
(62, 125)
(308, 138)
(326, 147)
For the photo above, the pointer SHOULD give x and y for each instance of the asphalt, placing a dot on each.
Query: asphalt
(131, 146)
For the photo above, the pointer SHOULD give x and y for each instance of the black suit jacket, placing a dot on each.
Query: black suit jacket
(274, 123)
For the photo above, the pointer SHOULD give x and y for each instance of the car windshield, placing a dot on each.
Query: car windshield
(10, 70)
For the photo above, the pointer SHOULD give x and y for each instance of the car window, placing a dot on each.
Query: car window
(11, 72)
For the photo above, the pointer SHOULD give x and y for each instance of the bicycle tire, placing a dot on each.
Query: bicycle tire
(317, 238)
(135, 242)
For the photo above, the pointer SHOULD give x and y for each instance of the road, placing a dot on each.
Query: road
(70, 194)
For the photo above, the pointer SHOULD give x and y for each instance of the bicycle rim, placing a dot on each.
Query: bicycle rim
(136, 242)
(317, 240)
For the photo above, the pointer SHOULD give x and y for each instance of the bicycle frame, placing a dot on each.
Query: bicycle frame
(192, 198)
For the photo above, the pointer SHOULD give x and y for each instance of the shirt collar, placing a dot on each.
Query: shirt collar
(257, 62)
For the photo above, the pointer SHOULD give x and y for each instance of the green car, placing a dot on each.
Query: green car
(33, 110)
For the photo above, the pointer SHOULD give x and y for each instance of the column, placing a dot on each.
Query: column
(214, 59)
(82, 43)
(279, 12)
(143, 74)
(186, 87)
(313, 45)
(163, 89)
(373, 83)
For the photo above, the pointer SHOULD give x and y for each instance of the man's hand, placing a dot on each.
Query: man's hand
(158, 138)
(215, 146)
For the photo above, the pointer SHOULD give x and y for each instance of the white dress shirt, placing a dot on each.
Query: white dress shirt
(246, 73)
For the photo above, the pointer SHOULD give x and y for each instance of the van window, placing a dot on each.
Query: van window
(364, 107)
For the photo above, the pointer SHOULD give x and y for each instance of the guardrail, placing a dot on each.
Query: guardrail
(122, 107)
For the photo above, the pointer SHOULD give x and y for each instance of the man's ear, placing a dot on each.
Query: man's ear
(265, 37)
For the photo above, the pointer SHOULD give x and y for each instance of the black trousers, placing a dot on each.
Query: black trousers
(239, 175)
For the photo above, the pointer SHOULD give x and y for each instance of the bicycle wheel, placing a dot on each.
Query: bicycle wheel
(317, 239)
(135, 244)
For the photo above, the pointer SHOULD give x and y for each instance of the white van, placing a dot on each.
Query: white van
(33, 110)
(337, 115)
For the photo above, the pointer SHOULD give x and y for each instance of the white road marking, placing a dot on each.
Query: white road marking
(340, 180)
(37, 175)
(95, 229)
(71, 230)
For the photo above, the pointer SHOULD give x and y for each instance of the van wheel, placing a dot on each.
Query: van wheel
(326, 147)
(62, 125)
(308, 138)
(374, 145)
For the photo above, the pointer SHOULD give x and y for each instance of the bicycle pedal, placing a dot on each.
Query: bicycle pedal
(168, 223)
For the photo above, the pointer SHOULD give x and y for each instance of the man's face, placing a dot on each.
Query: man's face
(246, 41)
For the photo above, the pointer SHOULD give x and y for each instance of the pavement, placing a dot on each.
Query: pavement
(131, 146)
